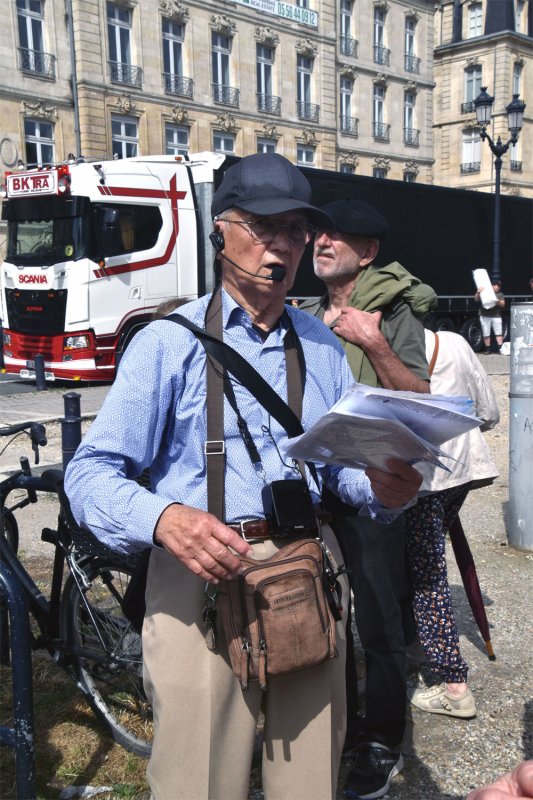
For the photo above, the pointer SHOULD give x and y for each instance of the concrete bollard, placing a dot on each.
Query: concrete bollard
(40, 380)
(70, 426)
(521, 427)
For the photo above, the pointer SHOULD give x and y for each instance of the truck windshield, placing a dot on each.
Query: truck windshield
(45, 241)
(42, 233)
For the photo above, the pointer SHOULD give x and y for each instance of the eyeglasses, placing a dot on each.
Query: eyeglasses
(265, 230)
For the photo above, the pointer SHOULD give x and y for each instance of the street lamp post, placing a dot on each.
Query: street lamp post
(515, 115)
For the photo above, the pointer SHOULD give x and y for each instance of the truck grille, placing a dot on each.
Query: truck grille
(37, 313)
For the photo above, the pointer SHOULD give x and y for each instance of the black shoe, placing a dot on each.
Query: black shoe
(373, 767)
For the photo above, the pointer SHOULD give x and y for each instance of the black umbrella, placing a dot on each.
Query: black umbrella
(467, 568)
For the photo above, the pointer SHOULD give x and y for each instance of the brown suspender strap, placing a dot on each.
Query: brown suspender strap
(434, 357)
(215, 448)
(216, 374)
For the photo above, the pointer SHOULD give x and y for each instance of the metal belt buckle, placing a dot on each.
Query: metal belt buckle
(242, 522)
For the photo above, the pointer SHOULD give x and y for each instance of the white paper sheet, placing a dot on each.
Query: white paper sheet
(368, 426)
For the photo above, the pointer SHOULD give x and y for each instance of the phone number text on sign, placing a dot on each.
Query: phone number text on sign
(298, 14)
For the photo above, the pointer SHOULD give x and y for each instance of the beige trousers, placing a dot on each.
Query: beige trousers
(205, 725)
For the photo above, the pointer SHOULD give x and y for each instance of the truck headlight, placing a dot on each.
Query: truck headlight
(7, 338)
(75, 342)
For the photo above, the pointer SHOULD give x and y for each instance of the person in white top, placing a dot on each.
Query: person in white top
(454, 371)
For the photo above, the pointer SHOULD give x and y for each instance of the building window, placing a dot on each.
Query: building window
(305, 155)
(409, 177)
(380, 128)
(472, 88)
(471, 157)
(302, 3)
(412, 62)
(265, 97)
(39, 140)
(519, 16)
(381, 53)
(410, 133)
(30, 18)
(347, 44)
(119, 34)
(221, 51)
(174, 80)
(348, 124)
(347, 169)
(223, 142)
(379, 172)
(305, 108)
(474, 20)
(266, 146)
(517, 78)
(124, 133)
(515, 158)
(176, 140)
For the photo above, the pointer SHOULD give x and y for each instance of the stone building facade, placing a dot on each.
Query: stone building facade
(482, 43)
(335, 84)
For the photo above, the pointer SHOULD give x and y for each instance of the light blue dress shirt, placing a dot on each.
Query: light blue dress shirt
(155, 417)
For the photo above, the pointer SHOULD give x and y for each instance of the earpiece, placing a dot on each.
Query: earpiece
(217, 240)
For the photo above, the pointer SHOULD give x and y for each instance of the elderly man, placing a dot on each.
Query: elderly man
(374, 312)
(205, 724)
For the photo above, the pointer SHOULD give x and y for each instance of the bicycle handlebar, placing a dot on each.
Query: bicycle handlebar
(37, 432)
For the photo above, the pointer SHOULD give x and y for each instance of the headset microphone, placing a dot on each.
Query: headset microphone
(217, 240)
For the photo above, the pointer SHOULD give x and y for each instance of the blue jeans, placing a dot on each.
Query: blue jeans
(375, 558)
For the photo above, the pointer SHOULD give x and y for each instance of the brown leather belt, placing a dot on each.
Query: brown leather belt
(259, 528)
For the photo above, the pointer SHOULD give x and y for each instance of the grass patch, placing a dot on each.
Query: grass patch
(72, 748)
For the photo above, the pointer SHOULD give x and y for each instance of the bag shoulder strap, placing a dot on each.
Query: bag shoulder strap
(434, 357)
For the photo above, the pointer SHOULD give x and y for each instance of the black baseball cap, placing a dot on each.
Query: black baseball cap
(356, 218)
(267, 183)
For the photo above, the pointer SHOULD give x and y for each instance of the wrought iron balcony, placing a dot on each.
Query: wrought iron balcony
(412, 64)
(516, 166)
(468, 107)
(381, 55)
(269, 103)
(226, 95)
(473, 166)
(381, 130)
(411, 136)
(126, 74)
(37, 63)
(348, 46)
(349, 125)
(308, 111)
(177, 84)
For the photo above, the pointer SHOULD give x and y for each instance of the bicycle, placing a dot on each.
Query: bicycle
(81, 623)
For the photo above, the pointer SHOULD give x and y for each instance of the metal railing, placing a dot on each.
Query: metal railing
(473, 166)
(411, 136)
(269, 103)
(37, 63)
(468, 107)
(178, 84)
(381, 130)
(226, 95)
(348, 46)
(125, 73)
(349, 125)
(412, 64)
(308, 111)
(381, 55)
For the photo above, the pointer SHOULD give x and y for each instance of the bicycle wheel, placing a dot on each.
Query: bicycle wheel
(10, 529)
(110, 671)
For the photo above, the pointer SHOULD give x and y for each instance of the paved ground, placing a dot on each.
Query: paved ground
(445, 758)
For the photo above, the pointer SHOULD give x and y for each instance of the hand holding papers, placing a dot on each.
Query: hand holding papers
(368, 426)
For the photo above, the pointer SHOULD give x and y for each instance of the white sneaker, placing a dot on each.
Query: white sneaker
(436, 700)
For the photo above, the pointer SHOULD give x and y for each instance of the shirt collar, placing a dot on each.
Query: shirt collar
(234, 315)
